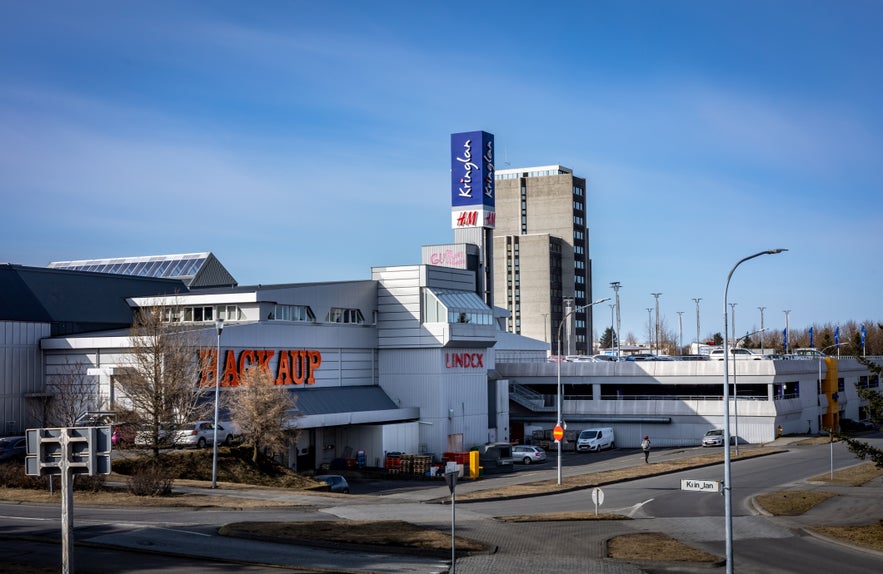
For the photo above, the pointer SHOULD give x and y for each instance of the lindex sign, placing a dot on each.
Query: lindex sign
(558, 433)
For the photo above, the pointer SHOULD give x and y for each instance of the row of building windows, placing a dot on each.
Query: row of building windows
(202, 314)
(537, 173)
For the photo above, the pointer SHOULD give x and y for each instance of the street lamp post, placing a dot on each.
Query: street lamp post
(616, 285)
(696, 300)
(656, 295)
(761, 329)
(560, 326)
(680, 331)
(650, 327)
(787, 329)
(728, 487)
(220, 326)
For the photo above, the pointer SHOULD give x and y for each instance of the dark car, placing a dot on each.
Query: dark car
(641, 357)
(12, 448)
(335, 482)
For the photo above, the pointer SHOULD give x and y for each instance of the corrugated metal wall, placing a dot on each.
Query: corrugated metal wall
(21, 372)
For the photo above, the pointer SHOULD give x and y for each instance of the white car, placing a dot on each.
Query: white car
(718, 355)
(199, 435)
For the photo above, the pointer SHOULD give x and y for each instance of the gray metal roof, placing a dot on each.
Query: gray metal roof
(323, 401)
(344, 406)
(72, 301)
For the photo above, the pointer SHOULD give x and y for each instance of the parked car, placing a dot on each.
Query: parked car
(199, 434)
(641, 357)
(335, 482)
(693, 358)
(715, 437)
(718, 354)
(528, 454)
(12, 448)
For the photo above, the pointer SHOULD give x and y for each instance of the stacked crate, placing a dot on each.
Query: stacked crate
(416, 464)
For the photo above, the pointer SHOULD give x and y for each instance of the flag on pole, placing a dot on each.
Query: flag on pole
(810, 339)
(837, 335)
(785, 337)
(863, 335)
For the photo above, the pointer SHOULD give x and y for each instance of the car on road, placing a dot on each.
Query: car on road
(528, 454)
(335, 482)
(12, 448)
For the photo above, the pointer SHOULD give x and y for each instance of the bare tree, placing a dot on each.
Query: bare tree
(70, 392)
(260, 408)
(160, 381)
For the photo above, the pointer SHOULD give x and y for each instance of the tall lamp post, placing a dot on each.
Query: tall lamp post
(680, 331)
(787, 329)
(728, 487)
(761, 329)
(650, 328)
(696, 300)
(220, 326)
(616, 285)
(656, 295)
(560, 327)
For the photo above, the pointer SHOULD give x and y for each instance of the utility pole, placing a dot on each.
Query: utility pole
(680, 331)
(787, 329)
(732, 325)
(656, 295)
(616, 285)
(650, 327)
(697, 321)
(761, 329)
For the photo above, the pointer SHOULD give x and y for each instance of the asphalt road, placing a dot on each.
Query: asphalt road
(149, 540)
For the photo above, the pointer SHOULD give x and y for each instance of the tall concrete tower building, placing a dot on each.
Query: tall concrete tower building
(541, 265)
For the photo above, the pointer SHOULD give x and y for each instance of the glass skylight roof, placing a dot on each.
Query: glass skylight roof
(160, 266)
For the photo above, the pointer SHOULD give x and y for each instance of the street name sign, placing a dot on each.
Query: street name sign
(701, 485)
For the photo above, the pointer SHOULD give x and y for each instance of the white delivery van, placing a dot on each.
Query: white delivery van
(593, 440)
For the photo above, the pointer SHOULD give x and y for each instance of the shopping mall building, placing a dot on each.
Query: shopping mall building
(415, 359)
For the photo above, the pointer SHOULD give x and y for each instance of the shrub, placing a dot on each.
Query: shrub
(151, 478)
(12, 475)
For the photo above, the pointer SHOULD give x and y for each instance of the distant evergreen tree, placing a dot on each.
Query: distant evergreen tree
(608, 339)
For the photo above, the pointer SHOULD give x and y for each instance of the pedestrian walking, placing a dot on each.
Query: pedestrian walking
(645, 446)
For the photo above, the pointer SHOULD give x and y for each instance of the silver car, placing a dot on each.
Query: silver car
(528, 454)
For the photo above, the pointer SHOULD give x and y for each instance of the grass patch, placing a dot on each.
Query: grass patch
(381, 533)
(869, 535)
(234, 465)
(656, 547)
(857, 475)
(791, 502)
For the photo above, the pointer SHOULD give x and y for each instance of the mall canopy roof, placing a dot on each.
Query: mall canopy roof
(336, 406)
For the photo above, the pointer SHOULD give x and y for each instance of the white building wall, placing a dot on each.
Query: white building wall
(452, 401)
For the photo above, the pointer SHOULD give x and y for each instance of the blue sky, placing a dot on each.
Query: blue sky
(308, 141)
